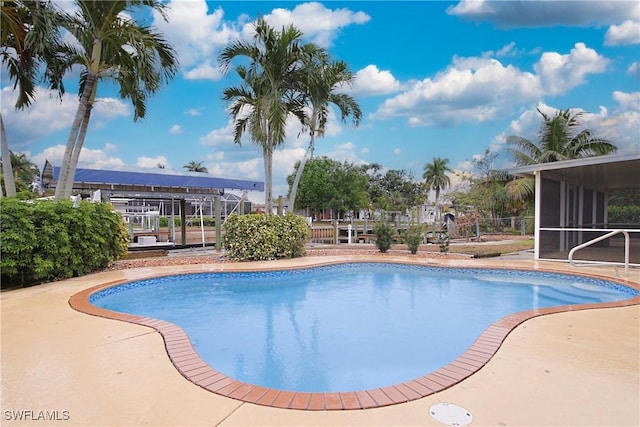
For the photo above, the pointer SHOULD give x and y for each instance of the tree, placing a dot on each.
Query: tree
(491, 192)
(436, 178)
(321, 79)
(327, 183)
(118, 48)
(267, 94)
(560, 139)
(194, 166)
(395, 190)
(30, 37)
(24, 171)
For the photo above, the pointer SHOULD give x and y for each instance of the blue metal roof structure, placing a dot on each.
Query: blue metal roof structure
(149, 182)
(193, 180)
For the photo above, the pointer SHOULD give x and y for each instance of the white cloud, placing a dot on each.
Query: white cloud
(559, 73)
(204, 71)
(628, 101)
(175, 129)
(471, 89)
(626, 33)
(372, 81)
(152, 162)
(89, 158)
(49, 114)
(345, 152)
(620, 125)
(219, 136)
(193, 112)
(397, 151)
(347, 146)
(318, 23)
(196, 34)
(247, 169)
(509, 14)
(634, 69)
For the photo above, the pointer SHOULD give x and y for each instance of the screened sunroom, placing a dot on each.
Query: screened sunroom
(571, 208)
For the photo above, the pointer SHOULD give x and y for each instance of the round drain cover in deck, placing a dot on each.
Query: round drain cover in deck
(450, 414)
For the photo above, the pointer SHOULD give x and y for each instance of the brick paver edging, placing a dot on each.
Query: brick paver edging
(193, 368)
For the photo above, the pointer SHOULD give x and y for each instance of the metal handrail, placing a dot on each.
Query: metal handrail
(598, 239)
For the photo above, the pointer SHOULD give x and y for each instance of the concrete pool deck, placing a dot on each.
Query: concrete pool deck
(62, 367)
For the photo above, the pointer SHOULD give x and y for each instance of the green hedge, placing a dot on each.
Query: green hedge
(207, 221)
(629, 214)
(45, 240)
(264, 237)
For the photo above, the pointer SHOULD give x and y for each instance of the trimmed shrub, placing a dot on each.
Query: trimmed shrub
(384, 236)
(46, 240)
(265, 237)
(413, 237)
(629, 214)
(443, 241)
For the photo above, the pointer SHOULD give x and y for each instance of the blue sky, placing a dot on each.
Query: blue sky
(433, 79)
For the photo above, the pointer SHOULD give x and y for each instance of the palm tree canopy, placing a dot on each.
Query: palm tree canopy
(320, 80)
(560, 139)
(115, 47)
(268, 82)
(194, 166)
(435, 175)
(31, 37)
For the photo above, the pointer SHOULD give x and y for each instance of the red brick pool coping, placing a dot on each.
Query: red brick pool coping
(193, 368)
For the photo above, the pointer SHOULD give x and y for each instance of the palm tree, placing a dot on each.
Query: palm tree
(436, 178)
(118, 48)
(559, 140)
(322, 78)
(24, 171)
(267, 94)
(30, 36)
(194, 166)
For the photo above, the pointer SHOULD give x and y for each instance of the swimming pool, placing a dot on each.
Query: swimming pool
(330, 329)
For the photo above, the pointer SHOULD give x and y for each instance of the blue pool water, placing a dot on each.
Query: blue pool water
(345, 327)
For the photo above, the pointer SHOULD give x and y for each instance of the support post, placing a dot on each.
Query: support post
(183, 222)
(218, 215)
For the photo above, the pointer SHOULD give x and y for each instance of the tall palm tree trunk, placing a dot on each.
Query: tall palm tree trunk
(296, 181)
(65, 168)
(77, 148)
(268, 173)
(79, 128)
(7, 168)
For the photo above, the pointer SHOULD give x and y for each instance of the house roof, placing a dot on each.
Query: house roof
(122, 181)
(612, 172)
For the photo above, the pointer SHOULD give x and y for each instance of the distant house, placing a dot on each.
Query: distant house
(571, 201)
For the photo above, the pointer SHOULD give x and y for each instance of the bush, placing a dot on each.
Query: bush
(384, 236)
(443, 241)
(629, 214)
(164, 221)
(413, 237)
(46, 240)
(265, 237)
